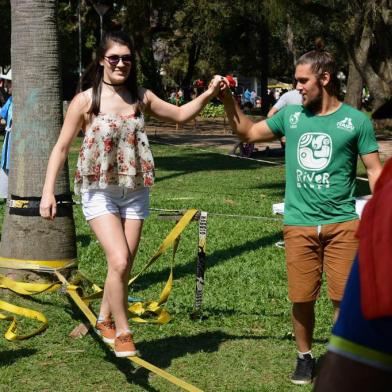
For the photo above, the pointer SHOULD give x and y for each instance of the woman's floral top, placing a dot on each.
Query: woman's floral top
(115, 151)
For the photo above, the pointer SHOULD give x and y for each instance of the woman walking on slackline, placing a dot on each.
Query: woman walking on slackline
(115, 169)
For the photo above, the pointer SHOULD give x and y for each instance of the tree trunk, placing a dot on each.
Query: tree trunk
(140, 19)
(152, 79)
(37, 118)
(290, 39)
(353, 95)
(378, 71)
(377, 87)
(193, 57)
(264, 38)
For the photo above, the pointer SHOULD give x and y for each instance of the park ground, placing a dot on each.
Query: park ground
(244, 343)
(216, 133)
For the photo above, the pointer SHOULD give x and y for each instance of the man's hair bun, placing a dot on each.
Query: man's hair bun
(319, 44)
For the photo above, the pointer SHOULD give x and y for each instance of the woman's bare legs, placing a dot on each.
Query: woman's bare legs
(119, 241)
(132, 230)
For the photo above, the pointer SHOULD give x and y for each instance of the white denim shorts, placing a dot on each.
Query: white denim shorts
(128, 203)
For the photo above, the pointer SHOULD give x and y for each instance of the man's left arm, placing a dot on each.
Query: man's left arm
(373, 167)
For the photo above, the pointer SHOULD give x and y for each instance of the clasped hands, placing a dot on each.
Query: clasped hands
(220, 85)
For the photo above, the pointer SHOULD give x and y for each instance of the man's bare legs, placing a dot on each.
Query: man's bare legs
(303, 324)
(303, 319)
(336, 307)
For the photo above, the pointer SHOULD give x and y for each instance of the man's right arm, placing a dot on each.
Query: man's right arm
(247, 130)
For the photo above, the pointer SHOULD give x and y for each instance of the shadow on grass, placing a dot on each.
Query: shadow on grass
(200, 162)
(218, 312)
(274, 185)
(215, 258)
(84, 240)
(8, 357)
(161, 352)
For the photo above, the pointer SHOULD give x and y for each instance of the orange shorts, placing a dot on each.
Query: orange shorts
(312, 250)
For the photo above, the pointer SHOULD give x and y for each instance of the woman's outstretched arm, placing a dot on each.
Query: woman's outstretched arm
(180, 114)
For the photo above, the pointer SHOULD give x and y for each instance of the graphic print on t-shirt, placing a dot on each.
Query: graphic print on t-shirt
(314, 153)
(294, 118)
(314, 150)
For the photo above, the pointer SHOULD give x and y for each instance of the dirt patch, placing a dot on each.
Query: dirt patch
(200, 133)
(217, 133)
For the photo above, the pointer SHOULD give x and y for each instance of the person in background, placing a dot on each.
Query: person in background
(115, 169)
(247, 99)
(271, 97)
(253, 97)
(3, 90)
(323, 140)
(6, 115)
(292, 97)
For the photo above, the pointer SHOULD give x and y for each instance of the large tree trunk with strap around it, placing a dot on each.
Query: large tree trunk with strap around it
(37, 119)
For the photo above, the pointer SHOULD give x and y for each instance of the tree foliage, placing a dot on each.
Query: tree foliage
(361, 30)
(179, 41)
(5, 33)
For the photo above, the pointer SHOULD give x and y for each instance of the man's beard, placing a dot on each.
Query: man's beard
(316, 103)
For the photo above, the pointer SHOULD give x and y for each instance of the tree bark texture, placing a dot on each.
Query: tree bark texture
(37, 119)
(141, 25)
(353, 95)
(366, 29)
(290, 39)
(193, 57)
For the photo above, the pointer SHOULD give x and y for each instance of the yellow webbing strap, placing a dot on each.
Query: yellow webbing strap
(27, 288)
(11, 333)
(142, 312)
(140, 309)
(146, 308)
(46, 265)
(172, 236)
(80, 302)
(24, 289)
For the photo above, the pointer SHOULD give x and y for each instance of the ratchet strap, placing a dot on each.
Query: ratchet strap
(200, 266)
(29, 206)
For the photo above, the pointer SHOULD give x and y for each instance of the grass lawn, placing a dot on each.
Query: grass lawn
(243, 345)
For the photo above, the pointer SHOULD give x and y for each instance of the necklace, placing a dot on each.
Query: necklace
(111, 84)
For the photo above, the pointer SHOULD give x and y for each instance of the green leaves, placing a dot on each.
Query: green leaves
(212, 110)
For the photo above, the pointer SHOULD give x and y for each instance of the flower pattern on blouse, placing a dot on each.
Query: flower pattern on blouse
(115, 151)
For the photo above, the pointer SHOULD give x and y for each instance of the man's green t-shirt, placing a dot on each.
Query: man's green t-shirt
(321, 162)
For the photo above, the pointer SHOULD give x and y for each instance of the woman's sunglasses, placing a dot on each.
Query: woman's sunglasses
(115, 59)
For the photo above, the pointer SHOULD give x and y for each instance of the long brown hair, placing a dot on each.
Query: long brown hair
(322, 61)
(96, 71)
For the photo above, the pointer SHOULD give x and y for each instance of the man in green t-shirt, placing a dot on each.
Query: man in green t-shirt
(323, 140)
